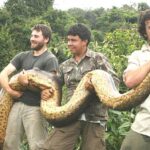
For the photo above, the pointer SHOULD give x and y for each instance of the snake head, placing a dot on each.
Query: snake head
(88, 84)
(23, 78)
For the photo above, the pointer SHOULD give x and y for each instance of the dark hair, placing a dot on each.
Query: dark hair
(46, 31)
(81, 30)
(144, 16)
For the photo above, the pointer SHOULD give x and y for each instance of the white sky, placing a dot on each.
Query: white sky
(2, 2)
(90, 4)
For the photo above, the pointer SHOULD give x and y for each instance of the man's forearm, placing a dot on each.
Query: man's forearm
(135, 77)
(4, 81)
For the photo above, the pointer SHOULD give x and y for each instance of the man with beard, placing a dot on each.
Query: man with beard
(25, 116)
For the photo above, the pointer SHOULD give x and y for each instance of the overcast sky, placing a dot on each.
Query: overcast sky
(2, 2)
(90, 4)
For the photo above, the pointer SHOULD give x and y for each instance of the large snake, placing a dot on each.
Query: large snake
(97, 81)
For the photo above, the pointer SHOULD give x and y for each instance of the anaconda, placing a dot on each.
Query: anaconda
(38, 81)
(101, 82)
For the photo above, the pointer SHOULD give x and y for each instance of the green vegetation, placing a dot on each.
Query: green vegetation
(114, 34)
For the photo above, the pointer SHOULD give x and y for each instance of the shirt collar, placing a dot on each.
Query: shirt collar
(145, 47)
(88, 54)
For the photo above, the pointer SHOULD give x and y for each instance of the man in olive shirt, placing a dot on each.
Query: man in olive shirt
(91, 124)
(25, 116)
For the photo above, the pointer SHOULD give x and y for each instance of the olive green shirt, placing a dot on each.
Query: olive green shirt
(71, 72)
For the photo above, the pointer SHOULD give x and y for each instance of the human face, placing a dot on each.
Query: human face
(37, 40)
(147, 27)
(76, 45)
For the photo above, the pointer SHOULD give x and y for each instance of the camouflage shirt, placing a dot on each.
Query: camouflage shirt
(71, 72)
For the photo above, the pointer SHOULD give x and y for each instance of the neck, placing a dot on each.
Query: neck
(39, 52)
(80, 55)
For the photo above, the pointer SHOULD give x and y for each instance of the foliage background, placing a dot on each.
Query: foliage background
(114, 34)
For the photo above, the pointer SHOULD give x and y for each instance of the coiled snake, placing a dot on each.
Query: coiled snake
(98, 81)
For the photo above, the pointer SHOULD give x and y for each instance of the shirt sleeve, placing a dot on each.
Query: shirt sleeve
(61, 74)
(103, 64)
(17, 61)
(133, 61)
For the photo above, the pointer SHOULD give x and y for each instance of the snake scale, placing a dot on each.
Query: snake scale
(97, 81)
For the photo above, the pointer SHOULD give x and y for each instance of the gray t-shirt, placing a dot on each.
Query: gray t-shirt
(25, 60)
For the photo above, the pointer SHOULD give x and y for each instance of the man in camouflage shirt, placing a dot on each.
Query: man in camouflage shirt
(91, 124)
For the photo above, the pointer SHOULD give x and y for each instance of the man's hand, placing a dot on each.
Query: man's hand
(47, 93)
(14, 94)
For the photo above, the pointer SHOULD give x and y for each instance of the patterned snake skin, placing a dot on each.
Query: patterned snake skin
(98, 82)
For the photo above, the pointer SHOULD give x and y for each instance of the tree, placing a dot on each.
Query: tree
(60, 21)
(6, 47)
(143, 6)
(4, 17)
(28, 8)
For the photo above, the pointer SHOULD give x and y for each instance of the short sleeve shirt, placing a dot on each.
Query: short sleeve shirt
(142, 120)
(25, 60)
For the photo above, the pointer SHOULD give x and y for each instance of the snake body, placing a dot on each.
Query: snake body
(6, 103)
(97, 81)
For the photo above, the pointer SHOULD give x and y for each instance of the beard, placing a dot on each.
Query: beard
(37, 46)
